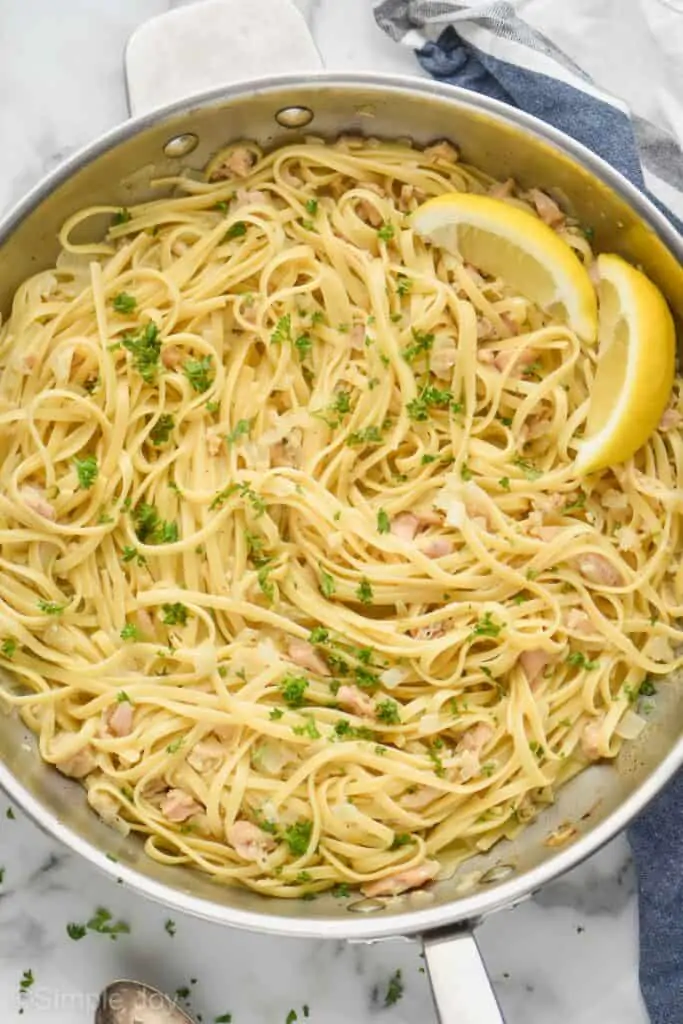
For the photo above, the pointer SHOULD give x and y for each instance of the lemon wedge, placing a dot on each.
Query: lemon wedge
(635, 371)
(505, 241)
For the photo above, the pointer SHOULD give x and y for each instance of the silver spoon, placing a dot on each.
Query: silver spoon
(131, 1002)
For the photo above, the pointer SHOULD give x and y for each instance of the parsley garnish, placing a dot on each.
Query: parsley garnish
(145, 347)
(486, 627)
(124, 303)
(327, 583)
(123, 698)
(574, 506)
(310, 729)
(430, 396)
(122, 216)
(129, 632)
(647, 688)
(403, 286)
(161, 431)
(421, 343)
(76, 931)
(386, 232)
(8, 647)
(283, 330)
(293, 690)
(369, 435)
(505, 483)
(387, 712)
(103, 923)
(87, 471)
(242, 428)
(51, 607)
(364, 591)
(149, 528)
(394, 989)
(198, 373)
(174, 614)
(312, 207)
(264, 583)
(130, 553)
(530, 471)
(275, 714)
(169, 926)
(27, 980)
(225, 1018)
(401, 839)
(298, 836)
(236, 230)
(579, 660)
(174, 746)
(383, 523)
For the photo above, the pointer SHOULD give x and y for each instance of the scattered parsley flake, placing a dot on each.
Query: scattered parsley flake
(76, 931)
(328, 585)
(303, 344)
(403, 285)
(383, 523)
(387, 712)
(174, 614)
(265, 585)
(298, 836)
(236, 230)
(121, 216)
(144, 346)
(103, 923)
(647, 688)
(8, 647)
(312, 207)
(169, 926)
(276, 714)
(87, 471)
(130, 632)
(124, 303)
(505, 483)
(283, 330)
(386, 232)
(293, 690)
(364, 591)
(51, 607)
(486, 626)
(161, 431)
(579, 660)
(242, 428)
(394, 989)
(27, 980)
(530, 471)
(310, 729)
(368, 435)
(198, 373)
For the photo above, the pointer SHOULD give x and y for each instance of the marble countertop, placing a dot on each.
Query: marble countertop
(567, 955)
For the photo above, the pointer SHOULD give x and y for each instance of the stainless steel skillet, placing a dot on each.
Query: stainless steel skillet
(117, 169)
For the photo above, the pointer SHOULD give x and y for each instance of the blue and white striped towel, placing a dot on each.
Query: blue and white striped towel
(487, 47)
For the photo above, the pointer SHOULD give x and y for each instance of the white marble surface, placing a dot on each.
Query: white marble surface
(569, 955)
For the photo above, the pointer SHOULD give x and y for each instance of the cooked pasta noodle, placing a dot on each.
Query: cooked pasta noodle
(296, 573)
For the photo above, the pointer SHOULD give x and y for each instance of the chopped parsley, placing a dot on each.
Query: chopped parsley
(387, 712)
(401, 839)
(530, 471)
(403, 286)
(342, 891)
(275, 714)
(368, 435)
(575, 506)
(242, 428)
(50, 607)
(121, 216)
(130, 554)
(174, 746)
(647, 688)
(422, 343)
(123, 698)
(310, 729)
(27, 980)
(429, 397)
(298, 836)
(283, 330)
(236, 230)
(174, 614)
(486, 626)
(225, 1018)
(319, 635)
(312, 207)
(150, 529)
(343, 730)
(161, 431)
(364, 591)
(264, 582)
(293, 690)
(198, 372)
(303, 345)
(87, 471)
(465, 472)
(169, 926)
(394, 989)
(579, 660)
(291, 1017)
(8, 647)
(144, 346)
(327, 583)
(76, 931)
(383, 523)
(103, 923)
(130, 632)
(124, 303)
(505, 483)
(435, 757)
(386, 232)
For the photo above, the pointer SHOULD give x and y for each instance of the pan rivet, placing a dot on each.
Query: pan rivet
(294, 117)
(181, 145)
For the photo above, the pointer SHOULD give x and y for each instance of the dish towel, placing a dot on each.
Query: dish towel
(487, 47)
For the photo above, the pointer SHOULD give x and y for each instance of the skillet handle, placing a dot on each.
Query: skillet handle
(462, 988)
(212, 45)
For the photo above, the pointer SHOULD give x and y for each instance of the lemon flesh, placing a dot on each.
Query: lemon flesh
(636, 366)
(507, 242)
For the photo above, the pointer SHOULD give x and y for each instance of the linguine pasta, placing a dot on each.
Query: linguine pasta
(296, 574)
